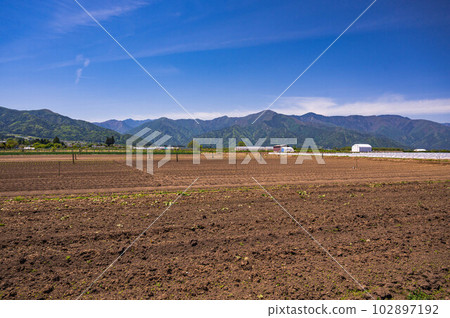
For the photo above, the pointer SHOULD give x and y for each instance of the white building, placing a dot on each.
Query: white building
(361, 148)
(283, 148)
(287, 149)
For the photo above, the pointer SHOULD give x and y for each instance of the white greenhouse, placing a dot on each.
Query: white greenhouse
(361, 148)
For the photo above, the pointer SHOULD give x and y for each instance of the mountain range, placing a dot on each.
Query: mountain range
(44, 123)
(327, 131)
(121, 126)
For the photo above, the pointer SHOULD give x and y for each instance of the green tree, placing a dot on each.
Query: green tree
(191, 144)
(56, 140)
(110, 141)
(241, 144)
(11, 143)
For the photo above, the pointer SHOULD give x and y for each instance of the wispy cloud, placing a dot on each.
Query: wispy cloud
(84, 63)
(190, 38)
(387, 104)
(203, 41)
(10, 59)
(68, 17)
(211, 115)
(182, 115)
(384, 105)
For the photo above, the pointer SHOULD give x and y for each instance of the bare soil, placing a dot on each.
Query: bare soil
(385, 222)
(102, 173)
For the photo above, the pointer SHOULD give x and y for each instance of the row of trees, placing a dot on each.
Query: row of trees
(14, 143)
(57, 143)
(9, 144)
(46, 143)
(191, 144)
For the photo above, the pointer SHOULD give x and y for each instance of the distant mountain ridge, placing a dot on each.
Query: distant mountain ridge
(121, 126)
(44, 123)
(415, 133)
(327, 131)
(273, 125)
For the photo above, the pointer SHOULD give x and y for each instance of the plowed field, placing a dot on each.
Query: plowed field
(344, 230)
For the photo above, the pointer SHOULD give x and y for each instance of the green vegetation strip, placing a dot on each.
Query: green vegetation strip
(127, 195)
(14, 153)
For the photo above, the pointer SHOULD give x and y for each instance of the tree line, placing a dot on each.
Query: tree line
(18, 142)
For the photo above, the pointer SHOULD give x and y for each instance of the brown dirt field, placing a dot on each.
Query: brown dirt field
(386, 222)
(93, 173)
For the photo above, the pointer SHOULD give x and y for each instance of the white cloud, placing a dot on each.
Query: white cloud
(9, 59)
(79, 72)
(384, 105)
(387, 104)
(69, 17)
(198, 115)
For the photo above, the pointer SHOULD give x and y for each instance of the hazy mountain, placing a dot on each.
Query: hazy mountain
(121, 126)
(328, 132)
(415, 133)
(272, 125)
(269, 125)
(47, 124)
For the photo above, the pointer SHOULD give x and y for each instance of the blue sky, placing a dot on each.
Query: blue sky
(226, 57)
